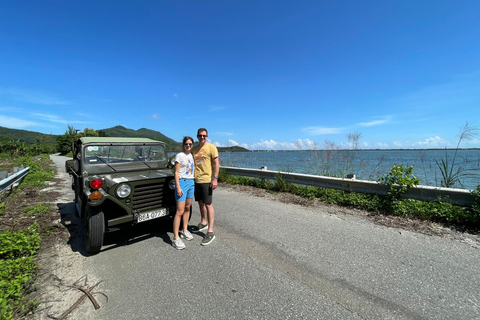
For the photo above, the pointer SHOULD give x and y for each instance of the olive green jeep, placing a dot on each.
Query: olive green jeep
(119, 182)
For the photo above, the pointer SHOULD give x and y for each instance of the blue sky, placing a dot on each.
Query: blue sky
(259, 74)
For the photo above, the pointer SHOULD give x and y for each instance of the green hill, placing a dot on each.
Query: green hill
(29, 137)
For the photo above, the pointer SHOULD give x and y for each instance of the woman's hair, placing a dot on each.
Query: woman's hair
(185, 139)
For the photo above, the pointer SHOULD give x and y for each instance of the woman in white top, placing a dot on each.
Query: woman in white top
(184, 191)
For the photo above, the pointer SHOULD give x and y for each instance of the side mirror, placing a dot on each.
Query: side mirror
(171, 162)
(71, 166)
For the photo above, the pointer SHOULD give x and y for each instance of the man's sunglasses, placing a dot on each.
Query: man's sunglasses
(202, 135)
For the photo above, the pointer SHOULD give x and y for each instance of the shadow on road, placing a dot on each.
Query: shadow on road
(113, 239)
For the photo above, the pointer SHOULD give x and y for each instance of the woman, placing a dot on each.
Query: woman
(184, 189)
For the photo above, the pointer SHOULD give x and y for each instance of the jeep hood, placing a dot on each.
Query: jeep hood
(137, 175)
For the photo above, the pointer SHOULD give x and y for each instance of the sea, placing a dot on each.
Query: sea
(365, 164)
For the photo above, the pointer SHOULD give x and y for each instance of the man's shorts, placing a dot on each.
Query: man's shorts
(187, 186)
(203, 192)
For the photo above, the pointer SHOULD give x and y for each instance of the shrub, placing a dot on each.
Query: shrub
(17, 264)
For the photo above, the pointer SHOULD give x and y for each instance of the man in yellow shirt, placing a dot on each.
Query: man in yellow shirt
(207, 168)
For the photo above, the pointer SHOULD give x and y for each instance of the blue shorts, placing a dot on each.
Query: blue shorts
(188, 187)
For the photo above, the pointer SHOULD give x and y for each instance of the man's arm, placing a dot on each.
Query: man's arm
(216, 171)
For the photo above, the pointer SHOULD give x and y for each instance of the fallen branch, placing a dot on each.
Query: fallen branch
(79, 301)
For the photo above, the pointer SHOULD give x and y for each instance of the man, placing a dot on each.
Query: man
(207, 168)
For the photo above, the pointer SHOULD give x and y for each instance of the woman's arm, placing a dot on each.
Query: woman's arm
(177, 180)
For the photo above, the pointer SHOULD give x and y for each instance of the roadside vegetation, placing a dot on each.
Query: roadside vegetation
(25, 219)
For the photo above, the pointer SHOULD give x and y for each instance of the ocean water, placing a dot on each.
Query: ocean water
(365, 164)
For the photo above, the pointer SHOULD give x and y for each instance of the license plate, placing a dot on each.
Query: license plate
(152, 215)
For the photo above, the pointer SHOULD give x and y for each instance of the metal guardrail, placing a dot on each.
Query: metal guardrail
(10, 180)
(459, 197)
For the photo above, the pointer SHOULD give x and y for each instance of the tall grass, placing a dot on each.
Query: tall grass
(452, 173)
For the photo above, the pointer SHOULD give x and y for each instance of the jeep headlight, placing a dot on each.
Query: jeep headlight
(123, 190)
(171, 184)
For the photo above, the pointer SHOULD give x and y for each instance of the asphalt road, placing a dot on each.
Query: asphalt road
(272, 260)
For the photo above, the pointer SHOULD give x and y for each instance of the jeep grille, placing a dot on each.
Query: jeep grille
(150, 196)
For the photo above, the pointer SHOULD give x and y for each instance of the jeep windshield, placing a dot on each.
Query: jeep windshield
(101, 154)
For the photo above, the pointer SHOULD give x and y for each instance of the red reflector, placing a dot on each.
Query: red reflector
(95, 195)
(96, 183)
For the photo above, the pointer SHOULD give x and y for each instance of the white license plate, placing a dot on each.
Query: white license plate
(152, 215)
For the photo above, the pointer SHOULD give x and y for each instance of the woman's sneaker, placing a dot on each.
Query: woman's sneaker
(186, 235)
(178, 244)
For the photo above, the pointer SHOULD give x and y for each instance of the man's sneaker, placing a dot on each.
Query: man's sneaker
(202, 227)
(209, 237)
(186, 235)
(178, 244)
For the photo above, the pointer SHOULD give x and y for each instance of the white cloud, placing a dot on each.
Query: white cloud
(323, 130)
(56, 119)
(275, 145)
(10, 122)
(432, 142)
(212, 109)
(232, 143)
(175, 95)
(305, 144)
(33, 97)
(374, 123)
(155, 116)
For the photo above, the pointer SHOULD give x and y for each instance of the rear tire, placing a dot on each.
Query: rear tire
(94, 231)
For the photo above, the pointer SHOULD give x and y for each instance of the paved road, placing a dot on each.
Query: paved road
(273, 260)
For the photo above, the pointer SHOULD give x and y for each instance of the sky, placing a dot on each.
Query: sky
(264, 75)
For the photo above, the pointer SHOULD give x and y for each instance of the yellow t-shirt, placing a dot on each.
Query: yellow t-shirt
(204, 157)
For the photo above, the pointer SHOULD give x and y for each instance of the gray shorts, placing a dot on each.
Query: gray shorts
(203, 192)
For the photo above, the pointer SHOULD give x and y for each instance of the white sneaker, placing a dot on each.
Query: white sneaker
(186, 235)
(178, 244)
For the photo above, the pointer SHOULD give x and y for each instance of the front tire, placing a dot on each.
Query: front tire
(94, 231)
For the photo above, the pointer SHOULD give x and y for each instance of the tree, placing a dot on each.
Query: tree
(65, 141)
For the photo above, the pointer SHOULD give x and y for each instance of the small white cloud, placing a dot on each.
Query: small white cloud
(232, 143)
(213, 109)
(155, 116)
(175, 95)
(374, 123)
(317, 131)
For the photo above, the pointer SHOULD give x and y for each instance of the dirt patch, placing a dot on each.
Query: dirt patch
(415, 225)
(60, 276)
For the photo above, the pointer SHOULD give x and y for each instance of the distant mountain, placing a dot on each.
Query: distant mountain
(232, 149)
(120, 131)
(29, 137)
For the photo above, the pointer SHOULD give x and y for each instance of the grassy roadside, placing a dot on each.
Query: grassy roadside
(466, 219)
(25, 219)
